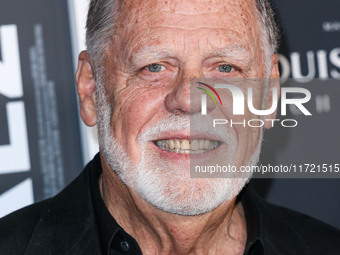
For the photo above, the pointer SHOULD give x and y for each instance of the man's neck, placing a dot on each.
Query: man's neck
(221, 231)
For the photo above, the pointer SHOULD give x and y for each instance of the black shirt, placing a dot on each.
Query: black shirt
(114, 240)
(76, 222)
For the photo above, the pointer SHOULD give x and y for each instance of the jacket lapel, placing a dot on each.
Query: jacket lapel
(67, 224)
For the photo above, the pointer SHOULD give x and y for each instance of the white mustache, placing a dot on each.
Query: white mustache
(194, 123)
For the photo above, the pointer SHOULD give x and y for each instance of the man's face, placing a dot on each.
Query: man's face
(159, 46)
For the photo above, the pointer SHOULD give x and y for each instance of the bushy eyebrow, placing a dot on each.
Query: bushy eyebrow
(149, 54)
(236, 52)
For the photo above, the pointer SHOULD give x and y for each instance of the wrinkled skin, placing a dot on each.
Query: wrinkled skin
(186, 39)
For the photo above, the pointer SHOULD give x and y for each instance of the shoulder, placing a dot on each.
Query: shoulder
(315, 232)
(287, 229)
(17, 227)
(51, 223)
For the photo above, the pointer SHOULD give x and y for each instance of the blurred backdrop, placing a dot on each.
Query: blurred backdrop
(44, 145)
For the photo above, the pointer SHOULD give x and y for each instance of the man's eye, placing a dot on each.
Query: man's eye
(155, 68)
(225, 68)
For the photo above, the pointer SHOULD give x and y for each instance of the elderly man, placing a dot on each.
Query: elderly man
(136, 196)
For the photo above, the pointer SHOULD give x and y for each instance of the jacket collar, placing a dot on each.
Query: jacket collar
(275, 227)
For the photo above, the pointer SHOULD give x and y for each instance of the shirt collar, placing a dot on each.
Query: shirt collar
(254, 222)
(114, 240)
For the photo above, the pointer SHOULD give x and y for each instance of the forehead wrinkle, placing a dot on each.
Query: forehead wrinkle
(180, 12)
(184, 14)
(185, 7)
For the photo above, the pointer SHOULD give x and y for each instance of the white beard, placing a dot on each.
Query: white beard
(164, 185)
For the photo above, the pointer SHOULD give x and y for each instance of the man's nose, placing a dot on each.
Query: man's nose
(185, 98)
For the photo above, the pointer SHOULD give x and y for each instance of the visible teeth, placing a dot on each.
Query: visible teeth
(177, 144)
(194, 145)
(201, 145)
(171, 144)
(186, 146)
(213, 145)
(206, 144)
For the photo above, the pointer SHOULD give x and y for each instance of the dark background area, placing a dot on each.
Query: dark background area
(306, 26)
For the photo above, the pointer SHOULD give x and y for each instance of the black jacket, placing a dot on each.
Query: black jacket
(66, 224)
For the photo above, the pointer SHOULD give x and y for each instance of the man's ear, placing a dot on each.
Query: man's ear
(86, 90)
(274, 82)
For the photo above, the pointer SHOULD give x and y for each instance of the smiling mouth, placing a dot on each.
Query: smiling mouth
(185, 146)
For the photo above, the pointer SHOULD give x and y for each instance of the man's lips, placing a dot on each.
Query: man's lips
(186, 142)
(186, 146)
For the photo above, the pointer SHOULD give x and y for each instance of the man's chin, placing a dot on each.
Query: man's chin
(188, 197)
(167, 185)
